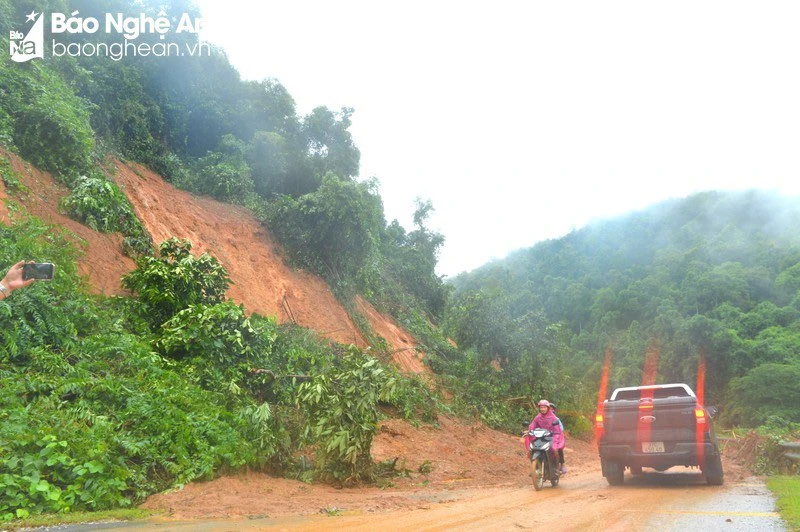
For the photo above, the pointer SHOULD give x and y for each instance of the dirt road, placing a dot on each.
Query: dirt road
(581, 502)
(474, 478)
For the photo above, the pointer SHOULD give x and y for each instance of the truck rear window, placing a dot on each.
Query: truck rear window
(658, 393)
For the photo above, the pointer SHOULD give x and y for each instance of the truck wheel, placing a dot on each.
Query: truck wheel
(713, 470)
(614, 473)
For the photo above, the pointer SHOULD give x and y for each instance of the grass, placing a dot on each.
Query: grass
(787, 491)
(75, 518)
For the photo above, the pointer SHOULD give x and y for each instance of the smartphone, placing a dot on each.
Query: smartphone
(38, 270)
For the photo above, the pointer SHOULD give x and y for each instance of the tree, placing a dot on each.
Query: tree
(343, 407)
(224, 174)
(766, 390)
(268, 155)
(411, 261)
(333, 230)
(330, 145)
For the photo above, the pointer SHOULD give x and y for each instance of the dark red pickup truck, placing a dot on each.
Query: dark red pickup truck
(657, 426)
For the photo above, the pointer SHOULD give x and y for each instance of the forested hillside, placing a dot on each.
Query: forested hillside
(107, 400)
(193, 120)
(710, 278)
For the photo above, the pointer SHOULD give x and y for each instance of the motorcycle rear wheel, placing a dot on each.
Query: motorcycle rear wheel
(537, 467)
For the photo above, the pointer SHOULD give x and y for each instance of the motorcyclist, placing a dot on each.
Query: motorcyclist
(555, 411)
(546, 419)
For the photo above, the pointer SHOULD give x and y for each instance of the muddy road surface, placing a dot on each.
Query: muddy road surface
(467, 477)
(456, 476)
(583, 501)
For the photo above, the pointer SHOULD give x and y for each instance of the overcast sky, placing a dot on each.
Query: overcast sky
(523, 120)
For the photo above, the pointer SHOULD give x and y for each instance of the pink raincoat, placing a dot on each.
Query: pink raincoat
(546, 422)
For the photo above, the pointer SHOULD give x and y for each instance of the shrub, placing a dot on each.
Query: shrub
(101, 205)
(218, 343)
(175, 280)
(49, 124)
(45, 314)
(342, 405)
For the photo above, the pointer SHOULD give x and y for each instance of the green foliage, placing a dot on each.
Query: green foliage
(105, 401)
(47, 122)
(123, 114)
(175, 280)
(709, 278)
(197, 123)
(268, 156)
(90, 417)
(770, 455)
(220, 332)
(480, 391)
(342, 405)
(101, 404)
(330, 144)
(768, 390)
(8, 175)
(221, 346)
(412, 397)
(41, 116)
(224, 174)
(40, 315)
(787, 493)
(113, 401)
(578, 426)
(101, 205)
(332, 231)
(409, 273)
(44, 475)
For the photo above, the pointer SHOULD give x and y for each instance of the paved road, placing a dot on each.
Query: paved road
(743, 506)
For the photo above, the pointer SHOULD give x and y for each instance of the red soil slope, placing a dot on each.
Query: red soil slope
(261, 279)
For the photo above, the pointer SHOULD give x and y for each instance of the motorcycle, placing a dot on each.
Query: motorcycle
(544, 464)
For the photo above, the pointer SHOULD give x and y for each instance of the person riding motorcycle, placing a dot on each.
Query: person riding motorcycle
(555, 411)
(546, 419)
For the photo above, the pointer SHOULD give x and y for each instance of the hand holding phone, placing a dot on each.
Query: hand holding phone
(42, 271)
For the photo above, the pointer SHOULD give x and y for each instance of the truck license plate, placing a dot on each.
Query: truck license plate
(652, 446)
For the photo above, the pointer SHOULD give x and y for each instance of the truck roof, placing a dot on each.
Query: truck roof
(660, 391)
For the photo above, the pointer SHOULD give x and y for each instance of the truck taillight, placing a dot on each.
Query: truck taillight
(599, 428)
(700, 416)
(598, 421)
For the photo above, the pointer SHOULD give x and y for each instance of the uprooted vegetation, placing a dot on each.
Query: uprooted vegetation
(107, 400)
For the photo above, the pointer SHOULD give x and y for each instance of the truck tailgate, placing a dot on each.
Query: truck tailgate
(662, 420)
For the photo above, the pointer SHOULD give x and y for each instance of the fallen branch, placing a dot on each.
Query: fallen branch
(259, 371)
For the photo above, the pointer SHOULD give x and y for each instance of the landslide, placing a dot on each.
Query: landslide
(261, 279)
(441, 463)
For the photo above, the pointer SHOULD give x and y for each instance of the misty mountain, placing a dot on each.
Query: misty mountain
(715, 274)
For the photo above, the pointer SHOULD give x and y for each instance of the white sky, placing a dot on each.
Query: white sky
(522, 120)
